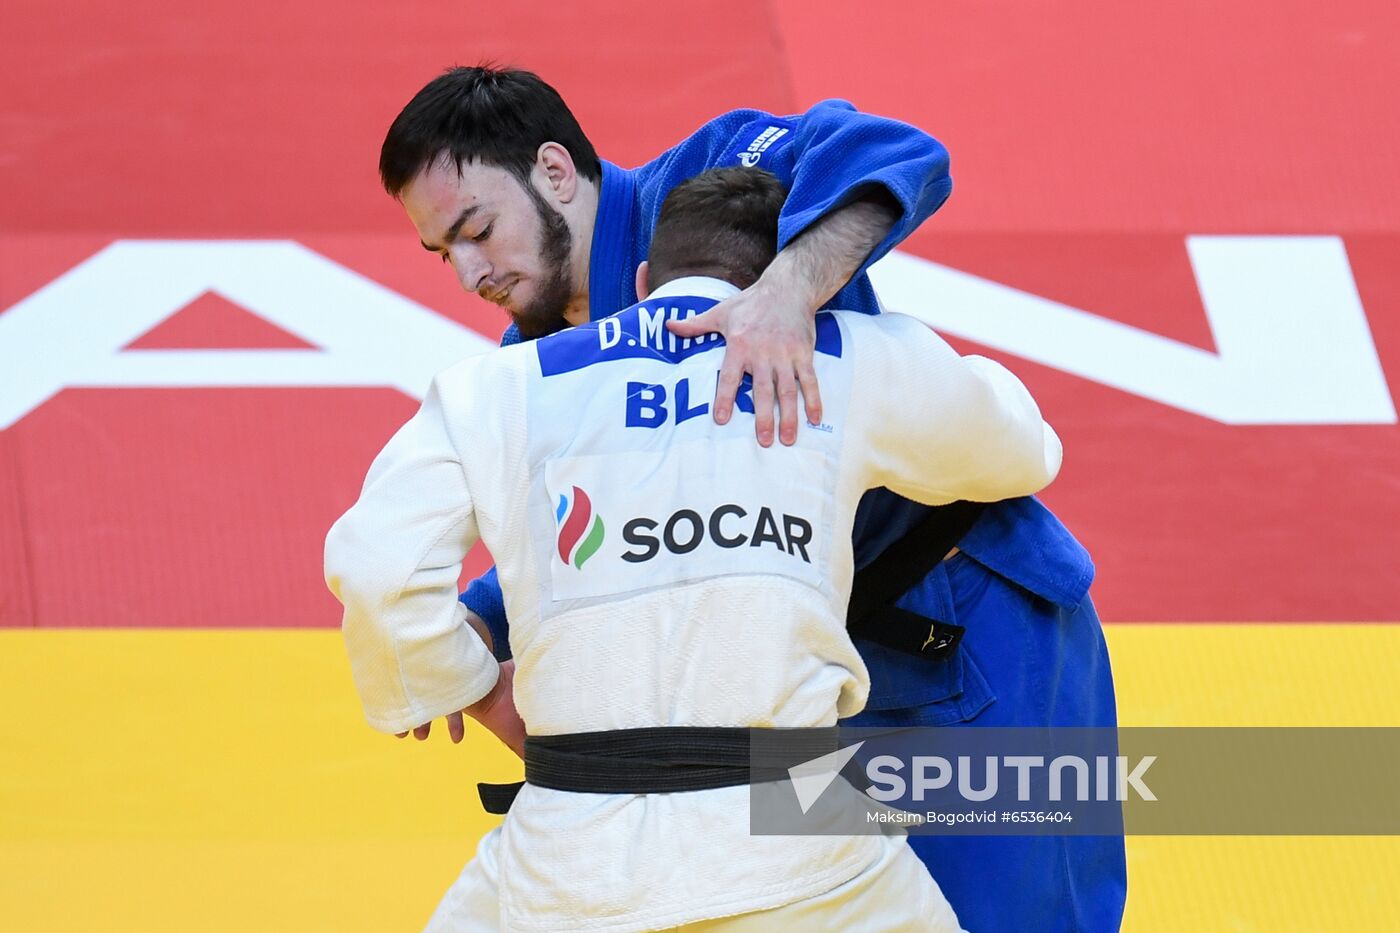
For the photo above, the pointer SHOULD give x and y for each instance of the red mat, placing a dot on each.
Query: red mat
(1088, 140)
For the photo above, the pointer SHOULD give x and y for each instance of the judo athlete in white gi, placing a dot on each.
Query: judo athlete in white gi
(662, 570)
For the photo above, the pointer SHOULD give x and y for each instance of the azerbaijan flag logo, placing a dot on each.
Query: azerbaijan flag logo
(580, 531)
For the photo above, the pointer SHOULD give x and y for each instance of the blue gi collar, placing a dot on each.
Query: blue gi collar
(610, 282)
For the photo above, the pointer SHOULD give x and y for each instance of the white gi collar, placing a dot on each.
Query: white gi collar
(699, 286)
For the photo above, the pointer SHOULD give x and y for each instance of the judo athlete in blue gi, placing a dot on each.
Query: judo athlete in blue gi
(499, 179)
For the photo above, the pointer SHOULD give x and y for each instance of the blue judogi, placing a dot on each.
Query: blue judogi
(1033, 653)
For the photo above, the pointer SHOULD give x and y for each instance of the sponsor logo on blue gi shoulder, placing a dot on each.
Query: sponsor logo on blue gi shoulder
(761, 144)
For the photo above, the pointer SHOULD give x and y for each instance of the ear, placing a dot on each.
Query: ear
(642, 289)
(554, 162)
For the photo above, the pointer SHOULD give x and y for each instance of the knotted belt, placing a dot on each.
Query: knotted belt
(660, 760)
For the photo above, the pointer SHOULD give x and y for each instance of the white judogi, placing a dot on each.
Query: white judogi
(659, 570)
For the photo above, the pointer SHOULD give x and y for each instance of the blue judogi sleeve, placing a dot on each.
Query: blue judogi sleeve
(826, 158)
(483, 596)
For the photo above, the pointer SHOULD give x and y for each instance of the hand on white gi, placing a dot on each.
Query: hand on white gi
(770, 334)
(496, 711)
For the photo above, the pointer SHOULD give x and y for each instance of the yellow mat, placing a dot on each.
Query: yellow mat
(223, 781)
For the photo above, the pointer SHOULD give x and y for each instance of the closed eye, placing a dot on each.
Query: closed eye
(484, 234)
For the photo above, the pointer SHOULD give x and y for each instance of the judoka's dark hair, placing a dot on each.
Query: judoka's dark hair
(722, 223)
(496, 116)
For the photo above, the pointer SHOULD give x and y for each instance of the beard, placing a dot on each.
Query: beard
(544, 312)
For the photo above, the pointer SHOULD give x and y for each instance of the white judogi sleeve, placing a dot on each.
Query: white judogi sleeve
(940, 427)
(393, 560)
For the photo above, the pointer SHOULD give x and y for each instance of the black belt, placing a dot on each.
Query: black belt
(661, 760)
